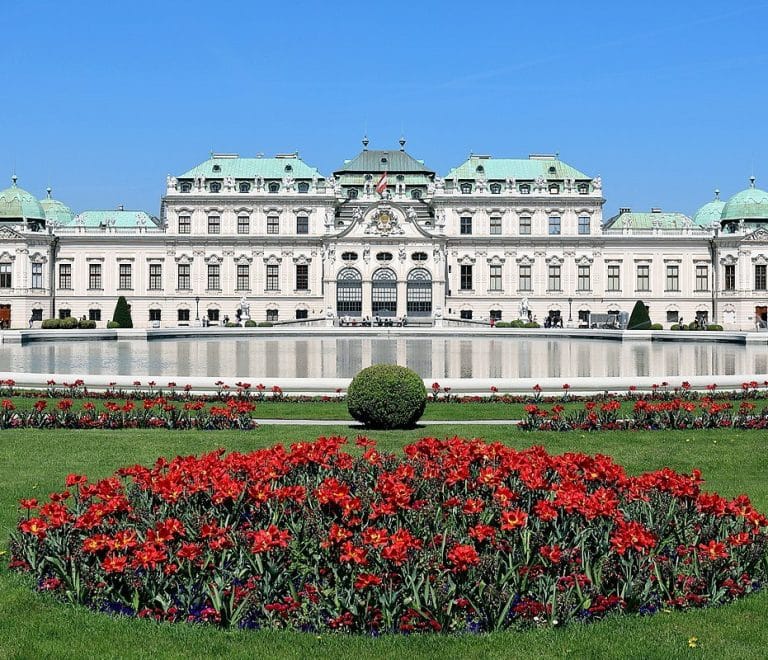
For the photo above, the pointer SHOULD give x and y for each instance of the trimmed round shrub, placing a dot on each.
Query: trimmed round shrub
(387, 396)
(532, 324)
(262, 324)
(69, 323)
(656, 326)
(251, 324)
(232, 324)
(714, 326)
(112, 325)
(51, 324)
(85, 324)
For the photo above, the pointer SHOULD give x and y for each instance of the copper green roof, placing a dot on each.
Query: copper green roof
(371, 161)
(482, 167)
(749, 204)
(219, 167)
(18, 204)
(118, 219)
(710, 212)
(652, 220)
(56, 211)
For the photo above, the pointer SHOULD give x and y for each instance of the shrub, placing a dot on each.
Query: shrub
(531, 324)
(506, 324)
(714, 326)
(122, 315)
(656, 326)
(69, 323)
(639, 319)
(251, 323)
(113, 324)
(387, 396)
(51, 324)
(263, 324)
(85, 324)
(231, 324)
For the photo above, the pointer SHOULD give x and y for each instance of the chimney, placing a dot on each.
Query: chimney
(624, 209)
(655, 209)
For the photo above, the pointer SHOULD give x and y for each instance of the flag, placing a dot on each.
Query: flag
(381, 186)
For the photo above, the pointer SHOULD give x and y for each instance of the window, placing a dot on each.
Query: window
(214, 277)
(673, 277)
(273, 224)
(37, 314)
(302, 277)
(584, 225)
(495, 278)
(415, 193)
(155, 315)
(466, 277)
(730, 277)
(215, 187)
(213, 314)
(643, 277)
(525, 224)
(349, 292)
(384, 256)
(273, 187)
(184, 279)
(65, 313)
(554, 225)
(495, 314)
(760, 277)
(524, 275)
(495, 224)
(351, 193)
(214, 224)
(185, 187)
(465, 314)
(702, 277)
(94, 276)
(244, 187)
(243, 277)
(466, 188)
(614, 278)
(302, 224)
(37, 276)
(466, 225)
(272, 315)
(124, 276)
(673, 316)
(583, 188)
(216, 168)
(5, 276)
(495, 189)
(525, 189)
(182, 315)
(94, 315)
(155, 277)
(303, 187)
(65, 275)
(349, 256)
(243, 224)
(553, 283)
(185, 224)
(584, 279)
(302, 314)
(273, 277)
(554, 189)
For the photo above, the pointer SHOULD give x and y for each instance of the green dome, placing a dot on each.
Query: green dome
(17, 204)
(710, 213)
(749, 204)
(56, 211)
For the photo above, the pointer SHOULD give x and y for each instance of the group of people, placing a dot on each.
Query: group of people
(378, 321)
(553, 322)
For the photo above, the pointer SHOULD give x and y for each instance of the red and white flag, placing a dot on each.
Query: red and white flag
(381, 186)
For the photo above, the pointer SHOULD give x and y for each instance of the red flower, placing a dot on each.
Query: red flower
(713, 550)
(365, 580)
(462, 557)
(114, 563)
(551, 553)
(632, 536)
(513, 519)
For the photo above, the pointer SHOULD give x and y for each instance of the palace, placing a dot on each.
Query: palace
(383, 236)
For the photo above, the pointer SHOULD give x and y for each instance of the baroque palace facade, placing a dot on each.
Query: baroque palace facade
(383, 236)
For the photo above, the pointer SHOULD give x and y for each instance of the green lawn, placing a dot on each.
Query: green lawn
(32, 463)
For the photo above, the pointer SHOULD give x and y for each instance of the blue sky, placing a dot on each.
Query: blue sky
(665, 100)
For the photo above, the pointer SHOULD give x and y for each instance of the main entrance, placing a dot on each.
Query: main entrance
(5, 316)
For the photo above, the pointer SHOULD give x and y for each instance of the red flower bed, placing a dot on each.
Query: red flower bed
(457, 535)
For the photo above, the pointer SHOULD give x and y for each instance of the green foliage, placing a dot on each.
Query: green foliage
(69, 323)
(250, 323)
(715, 327)
(387, 396)
(639, 319)
(85, 324)
(232, 324)
(531, 324)
(260, 324)
(51, 324)
(656, 326)
(122, 315)
(113, 324)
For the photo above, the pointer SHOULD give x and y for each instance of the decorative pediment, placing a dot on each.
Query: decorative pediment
(525, 260)
(467, 260)
(38, 258)
(272, 260)
(554, 260)
(584, 260)
(213, 259)
(7, 256)
(183, 259)
(496, 260)
(243, 260)
(301, 260)
(8, 233)
(729, 260)
(759, 259)
(760, 234)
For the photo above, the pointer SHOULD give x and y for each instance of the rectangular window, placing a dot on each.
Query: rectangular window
(5, 276)
(673, 277)
(213, 314)
(155, 315)
(466, 225)
(466, 277)
(302, 277)
(302, 313)
(37, 276)
(272, 315)
(214, 277)
(584, 282)
(302, 224)
(124, 276)
(273, 278)
(243, 224)
(185, 224)
(243, 277)
(702, 277)
(273, 224)
(65, 276)
(643, 277)
(184, 279)
(94, 315)
(465, 314)
(182, 315)
(524, 274)
(214, 224)
(495, 225)
(673, 316)
(94, 276)
(554, 225)
(155, 277)
(553, 282)
(495, 278)
(614, 278)
(65, 313)
(37, 314)
(525, 224)
(760, 277)
(730, 277)
(584, 225)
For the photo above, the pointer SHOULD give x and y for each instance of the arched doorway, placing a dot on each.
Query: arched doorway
(349, 293)
(384, 293)
(419, 293)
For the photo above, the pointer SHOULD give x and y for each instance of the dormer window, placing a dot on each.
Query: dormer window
(289, 168)
(351, 193)
(525, 189)
(552, 169)
(583, 189)
(303, 187)
(480, 169)
(400, 177)
(273, 187)
(384, 160)
(384, 256)
(185, 187)
(495, 189)
(554, 189)
(215, 187)
(415, 193)
(466, 188)
(217, 168)
(368, 177)
(244, 187)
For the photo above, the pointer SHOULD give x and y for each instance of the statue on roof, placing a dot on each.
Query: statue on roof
(439, 183)
(510, 183)
(170, 182)
(258, 182)
(229, 183)
(597, 183)
(540, 181)
(288, 182)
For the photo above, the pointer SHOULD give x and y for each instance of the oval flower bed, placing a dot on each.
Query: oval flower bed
(456, 535)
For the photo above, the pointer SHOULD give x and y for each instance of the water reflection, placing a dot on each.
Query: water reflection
(440, 357)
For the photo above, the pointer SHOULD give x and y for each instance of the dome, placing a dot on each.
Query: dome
(56, 211)
(710, 213)
(17, 204)
(749, 204)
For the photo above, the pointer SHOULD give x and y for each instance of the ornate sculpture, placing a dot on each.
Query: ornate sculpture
(597, 183)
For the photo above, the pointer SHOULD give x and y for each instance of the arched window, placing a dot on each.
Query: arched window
(466, 188)
(495, 189)
(186, 186)
(215, 187)
(351, 193)
(384, 293)
(416, 193)
(419, 293)
(273, 187)
(303, 187)
(554, 189)
(244, 187)
(349, 292)
(217, 168)
(525, 189)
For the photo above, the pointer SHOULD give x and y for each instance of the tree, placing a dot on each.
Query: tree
(122, 315)
(639, 319)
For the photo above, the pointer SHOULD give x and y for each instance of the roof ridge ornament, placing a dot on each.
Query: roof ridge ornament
(402, 143)
(717, 193)
(14, 178)
(366, 142)
(752, 181)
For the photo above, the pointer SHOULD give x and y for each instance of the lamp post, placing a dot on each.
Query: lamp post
(570, 310)
(197, 308)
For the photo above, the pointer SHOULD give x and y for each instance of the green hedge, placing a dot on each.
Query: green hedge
(113, 324)
(387, 396)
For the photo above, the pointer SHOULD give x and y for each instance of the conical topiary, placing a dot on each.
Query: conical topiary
(122, 315)
(639, 319)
